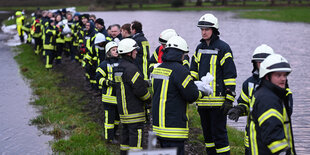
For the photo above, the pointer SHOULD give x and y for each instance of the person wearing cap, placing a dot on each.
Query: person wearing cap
(214, 56)
(143, 53)
(101, 28)
(132, 97)
(248, 89)
(159, 51)
(20, 19)
(270, 128)
(174, 89)
(105, 79)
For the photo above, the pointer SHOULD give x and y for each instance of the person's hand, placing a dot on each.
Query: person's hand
(111, 83)
(226, 106)
(234, 113)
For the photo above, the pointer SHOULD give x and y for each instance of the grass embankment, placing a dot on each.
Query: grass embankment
(61, 108)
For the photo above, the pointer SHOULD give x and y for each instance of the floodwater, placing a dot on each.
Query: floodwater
(243, 35)
(16, 135)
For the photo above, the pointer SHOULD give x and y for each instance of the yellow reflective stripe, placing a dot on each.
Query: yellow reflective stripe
(194, 74)
(47, 65)
(88, 57)
(223, 149)
(123, 95)
(278, 145)
(269, 113)
(213, 72)
(246, 106)
(186, 81)
(146, 96)
(135, 115)
(288, 91)
(110, 72)
(162, 102)
(287, 130)
(135, 77)
(116, 122)
(155, 56)
(171, 132)
(139, 143)
(211, 101)
(246, 140)
(253, 141)
(162, 71)
(48, 47)
(145, 45)
(185, 62)
(101, 80)
(227, 55)
(244, 96)
(208, 145)
(124, 147)
(198, 62)
(229, 82)
(136, 120)
(109, 99)
(229, 97)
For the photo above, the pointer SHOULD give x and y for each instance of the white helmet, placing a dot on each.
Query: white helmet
(208, 20)
(109, 45)
(178, 43)
(261, 52)
(274, 63)
(166, 35)
(99, 38)
(127, 45)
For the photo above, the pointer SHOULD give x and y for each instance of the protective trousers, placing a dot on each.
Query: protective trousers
(90, 73)
(169, 143)
(213, 123)
(50, 56)
(68, 47)
(37, 45)
(131, 137)
(59, 50)
(111, 121)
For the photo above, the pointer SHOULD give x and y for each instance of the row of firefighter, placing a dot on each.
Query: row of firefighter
(134, 84)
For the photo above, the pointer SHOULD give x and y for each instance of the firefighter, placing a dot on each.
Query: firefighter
(132, 96)
(36, 32)
(101, 28)
(173, 89)
(49, 44)
(68, 36)
(270, 123)
(143, 53)
(248, 89)
(215, 56)
(20, 19)
(158, 53)
(105, 78)
(60, 40)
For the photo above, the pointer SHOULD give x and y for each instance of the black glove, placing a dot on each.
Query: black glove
(226, 106)
(235, 112)
(111, 83)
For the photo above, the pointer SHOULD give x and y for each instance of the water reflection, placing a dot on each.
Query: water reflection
(16, 135)
(289, 39)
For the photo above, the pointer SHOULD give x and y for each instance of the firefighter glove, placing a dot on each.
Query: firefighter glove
(111, 83)
(226, 106)
(235, 112)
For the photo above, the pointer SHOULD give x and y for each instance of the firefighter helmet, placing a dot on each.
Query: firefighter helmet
(261, 52)
(127, 45)
(99, 38)
(166, 35)
(274, 63)
(208, 20)
(109, 45)
(178, 43)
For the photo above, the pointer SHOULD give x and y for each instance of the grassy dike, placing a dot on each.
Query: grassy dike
(62, 112)
(61, 108)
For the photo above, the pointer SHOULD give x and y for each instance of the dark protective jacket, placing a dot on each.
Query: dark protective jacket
(143, 54)
(173, 89)
(217, 59)
(50, 38)
(247, 91)
(36, 29)
(157, 57)
(270, 124)
(104, 74)
(131, 91)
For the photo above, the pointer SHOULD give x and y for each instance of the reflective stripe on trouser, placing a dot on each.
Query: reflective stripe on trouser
(131, 135)
(111, 121)
(59, 49)
(213, 123)
(37, 45)
(50, 55)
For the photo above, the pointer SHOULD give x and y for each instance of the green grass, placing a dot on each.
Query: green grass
(235, 136)
(61, 108)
